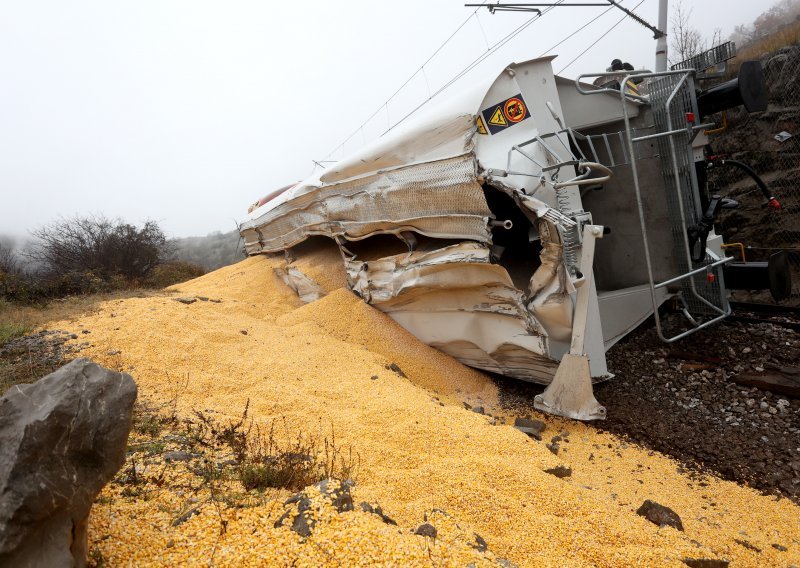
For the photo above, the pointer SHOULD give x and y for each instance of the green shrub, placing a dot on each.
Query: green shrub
(173, 272)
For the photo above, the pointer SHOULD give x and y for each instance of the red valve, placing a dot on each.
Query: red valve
(711, 278)
(774, 203)
(689, 117)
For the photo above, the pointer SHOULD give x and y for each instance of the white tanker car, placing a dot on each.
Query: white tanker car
(526, 225)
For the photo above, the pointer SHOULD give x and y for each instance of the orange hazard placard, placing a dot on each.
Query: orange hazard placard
(514, 109)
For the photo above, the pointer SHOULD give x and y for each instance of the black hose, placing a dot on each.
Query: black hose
(749, 171)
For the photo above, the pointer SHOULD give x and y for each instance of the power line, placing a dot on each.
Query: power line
(477, 61)
(407, 81)
(608, 31)
(580, 29)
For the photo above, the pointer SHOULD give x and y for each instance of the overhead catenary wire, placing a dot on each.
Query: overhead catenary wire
(580, 29)
(408, 80)
(477, 61)
(595, 42)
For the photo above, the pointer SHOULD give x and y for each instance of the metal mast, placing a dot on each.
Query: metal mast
(661, 41)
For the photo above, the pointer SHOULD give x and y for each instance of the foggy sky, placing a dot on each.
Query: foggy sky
(186, 112)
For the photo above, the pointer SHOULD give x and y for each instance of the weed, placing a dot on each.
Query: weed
(278, 457)
(96, 559)
(11, 330)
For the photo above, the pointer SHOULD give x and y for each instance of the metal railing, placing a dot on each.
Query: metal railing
(671, 92)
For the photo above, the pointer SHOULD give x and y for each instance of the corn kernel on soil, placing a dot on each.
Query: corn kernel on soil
(314, 364)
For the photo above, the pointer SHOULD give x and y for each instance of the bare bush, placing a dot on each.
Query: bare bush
(103, 247)
(687, 41)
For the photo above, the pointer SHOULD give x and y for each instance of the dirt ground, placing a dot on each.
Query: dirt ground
(681, 400)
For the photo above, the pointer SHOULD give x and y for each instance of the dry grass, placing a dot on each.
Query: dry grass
(787, 35)
(25, 318)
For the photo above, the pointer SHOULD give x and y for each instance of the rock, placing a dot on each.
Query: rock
(114, 352)
(374, 377)
(478, 410)
(479, 544)
(426, 529)
(71, 429)
(777, 546)
(660, 515)
(553, 447)
(179, 456)
(337, 492)
(532, 428)
(394, 367)
(186, 300)
(303, 525)
(560, 471)
(747, 545)
(705, 563)
(186, 516)
(243, 331)
(377, 510)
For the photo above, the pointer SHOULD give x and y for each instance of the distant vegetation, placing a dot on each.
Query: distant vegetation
(213, 251)
(774, 25)
(89, 255)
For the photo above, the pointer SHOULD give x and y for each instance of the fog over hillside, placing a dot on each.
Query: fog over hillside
(213, 251)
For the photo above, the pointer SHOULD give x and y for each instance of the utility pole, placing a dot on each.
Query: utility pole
(661, 42)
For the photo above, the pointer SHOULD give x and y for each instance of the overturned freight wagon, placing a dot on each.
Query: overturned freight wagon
(477, 225)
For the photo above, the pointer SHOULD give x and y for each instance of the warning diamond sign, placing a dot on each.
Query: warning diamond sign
(504, 114)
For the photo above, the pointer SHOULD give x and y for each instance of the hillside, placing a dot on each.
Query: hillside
(339, 368)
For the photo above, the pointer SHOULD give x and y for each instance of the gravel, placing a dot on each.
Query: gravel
(681, 400)
(30, 357)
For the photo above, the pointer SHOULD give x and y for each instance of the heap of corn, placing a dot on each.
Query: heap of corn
(337, 364)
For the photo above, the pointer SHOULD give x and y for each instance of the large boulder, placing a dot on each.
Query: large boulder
(61, 440)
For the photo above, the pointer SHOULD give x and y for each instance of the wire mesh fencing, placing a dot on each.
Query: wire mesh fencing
(768, 142)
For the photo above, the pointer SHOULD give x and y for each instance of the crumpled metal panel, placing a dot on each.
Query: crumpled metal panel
(441, 199)
(456, 300)
(305, 287)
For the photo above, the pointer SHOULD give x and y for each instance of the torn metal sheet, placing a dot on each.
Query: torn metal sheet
(441, 199)
(456, 300)
(305, 287)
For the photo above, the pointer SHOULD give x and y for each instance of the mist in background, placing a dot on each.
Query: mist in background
(186, 112)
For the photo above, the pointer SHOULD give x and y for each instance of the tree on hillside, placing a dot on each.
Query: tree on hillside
(8, 261)
(686, 40)
(780, 14)
(105, 247)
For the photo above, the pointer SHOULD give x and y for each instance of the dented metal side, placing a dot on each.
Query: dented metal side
(458, 301)
(430, 178)
(440, 199)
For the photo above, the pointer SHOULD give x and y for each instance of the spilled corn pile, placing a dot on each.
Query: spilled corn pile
(337, 367)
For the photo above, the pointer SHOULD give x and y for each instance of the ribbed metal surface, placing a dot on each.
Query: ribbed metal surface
(440, 199)
(709, 58)
(678, 172)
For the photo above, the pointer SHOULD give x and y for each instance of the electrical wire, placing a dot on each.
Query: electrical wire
(477, 61)
(608, 31)
(580, 29)
(407, 81)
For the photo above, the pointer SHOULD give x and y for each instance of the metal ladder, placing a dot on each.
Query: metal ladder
(672, 98)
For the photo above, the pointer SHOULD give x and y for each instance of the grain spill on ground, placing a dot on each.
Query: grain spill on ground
(315, 365)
